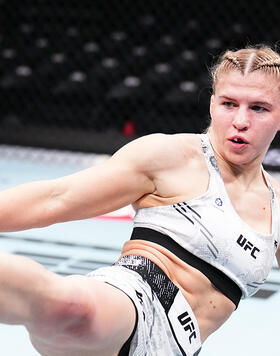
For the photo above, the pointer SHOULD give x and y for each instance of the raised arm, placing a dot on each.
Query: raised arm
(143, 166)
(120, 180)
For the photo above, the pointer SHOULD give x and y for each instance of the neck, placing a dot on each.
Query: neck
(246, 174)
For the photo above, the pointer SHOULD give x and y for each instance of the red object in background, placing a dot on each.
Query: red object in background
(119, 218)
(128, 128)
(124, 214)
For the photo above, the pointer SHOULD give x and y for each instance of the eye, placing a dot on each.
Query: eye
(258, 108)
(228, 104)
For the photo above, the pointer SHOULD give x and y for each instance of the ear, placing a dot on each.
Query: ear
(212, 103)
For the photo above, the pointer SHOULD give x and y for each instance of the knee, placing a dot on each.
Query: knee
(66, 311)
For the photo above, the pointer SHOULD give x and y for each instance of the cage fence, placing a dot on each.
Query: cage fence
(92, 75)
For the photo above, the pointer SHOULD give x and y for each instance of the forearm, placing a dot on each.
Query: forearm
(27, 206)
(24, 285)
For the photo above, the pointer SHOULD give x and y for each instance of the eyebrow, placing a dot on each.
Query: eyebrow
(260, 103)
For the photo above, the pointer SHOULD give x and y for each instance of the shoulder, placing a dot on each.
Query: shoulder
(163, 147)
(157, 154)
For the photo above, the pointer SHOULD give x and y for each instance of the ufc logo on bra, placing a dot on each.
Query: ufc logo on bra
(247, 245)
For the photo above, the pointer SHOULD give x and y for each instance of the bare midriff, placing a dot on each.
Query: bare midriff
(209, 305)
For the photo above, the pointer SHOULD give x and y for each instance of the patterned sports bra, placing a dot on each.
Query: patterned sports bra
(209, 230)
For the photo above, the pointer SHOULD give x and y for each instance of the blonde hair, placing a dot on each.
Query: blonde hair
(247, 60)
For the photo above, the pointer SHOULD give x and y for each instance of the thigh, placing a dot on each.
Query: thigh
(89, 320)
(152, 335)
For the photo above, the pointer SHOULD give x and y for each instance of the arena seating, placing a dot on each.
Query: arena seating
(70, 73)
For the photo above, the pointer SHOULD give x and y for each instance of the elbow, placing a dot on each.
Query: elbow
(53, 211)
(60, 206)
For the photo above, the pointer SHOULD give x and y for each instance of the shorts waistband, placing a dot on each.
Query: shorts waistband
(161, 285)
(181, 318)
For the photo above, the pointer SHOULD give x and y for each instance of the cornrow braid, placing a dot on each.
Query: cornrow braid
(247, 60)
(229, 61)
(233, 60)
(270, 65)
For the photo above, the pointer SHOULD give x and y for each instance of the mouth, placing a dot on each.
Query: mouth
(237, 140)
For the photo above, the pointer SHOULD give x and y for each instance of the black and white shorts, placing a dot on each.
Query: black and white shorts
(166, 324)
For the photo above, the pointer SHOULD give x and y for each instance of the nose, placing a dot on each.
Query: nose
(241, 120)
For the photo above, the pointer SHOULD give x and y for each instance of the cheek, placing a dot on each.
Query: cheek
(266, 133)
(220, 120)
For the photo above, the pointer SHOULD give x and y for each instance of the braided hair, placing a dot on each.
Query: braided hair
(247, 60)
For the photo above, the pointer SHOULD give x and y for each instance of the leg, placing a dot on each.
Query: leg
(76, 315)
(89, 320)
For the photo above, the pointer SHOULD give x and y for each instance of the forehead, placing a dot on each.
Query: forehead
(253, 86)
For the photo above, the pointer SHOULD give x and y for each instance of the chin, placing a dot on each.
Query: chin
(242, 160)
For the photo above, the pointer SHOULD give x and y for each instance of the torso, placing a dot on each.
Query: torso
(210, 306)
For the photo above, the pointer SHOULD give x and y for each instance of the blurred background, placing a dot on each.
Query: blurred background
(91, 75)
(79, 79)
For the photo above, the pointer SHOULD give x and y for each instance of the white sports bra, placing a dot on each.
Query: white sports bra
(209, 228)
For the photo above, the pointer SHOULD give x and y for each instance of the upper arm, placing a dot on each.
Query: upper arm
(137, 169)
(97, 190)
(124, 178)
